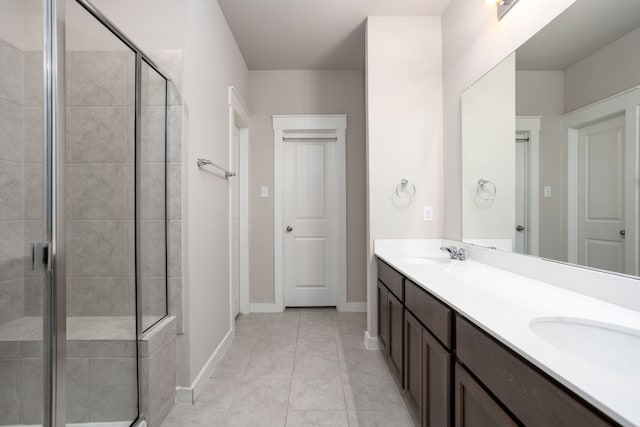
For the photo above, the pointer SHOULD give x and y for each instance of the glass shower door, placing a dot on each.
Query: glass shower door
(22, 212)
(101, 366)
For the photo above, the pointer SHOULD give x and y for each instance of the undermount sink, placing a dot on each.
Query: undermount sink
(611, 347)
(426, 260)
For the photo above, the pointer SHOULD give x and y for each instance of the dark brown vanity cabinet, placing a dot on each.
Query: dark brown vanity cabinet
(491, 385)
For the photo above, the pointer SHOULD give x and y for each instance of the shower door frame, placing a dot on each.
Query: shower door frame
(54, 295)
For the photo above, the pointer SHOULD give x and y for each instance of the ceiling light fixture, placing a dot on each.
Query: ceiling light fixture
(504, 6)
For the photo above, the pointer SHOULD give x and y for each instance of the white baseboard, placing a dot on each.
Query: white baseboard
(184, 396)
(141, 423)
(188, 395)
(262, 307)
(371, 343)
(353, 307)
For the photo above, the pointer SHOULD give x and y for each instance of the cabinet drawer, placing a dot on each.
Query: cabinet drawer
(431, 312)
(531, 397)
(391, 278)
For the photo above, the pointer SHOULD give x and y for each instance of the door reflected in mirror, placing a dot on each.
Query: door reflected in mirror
(550, 142)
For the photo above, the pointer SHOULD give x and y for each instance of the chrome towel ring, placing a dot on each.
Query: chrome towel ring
(486, 190)
(407, 188)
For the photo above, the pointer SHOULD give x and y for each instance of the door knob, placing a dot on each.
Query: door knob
(519, 228)
(622, 233)
(289, 229)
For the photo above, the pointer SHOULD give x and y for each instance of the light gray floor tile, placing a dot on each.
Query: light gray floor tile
(250, 418)
(379, 419)
(194, 416)
(262, 394)
(364, 392)
(219, 393)
(302, 367)
(316, 364)
(317, 419)
(315, 343)
(316, 394)
(363, 362)
(270, 365)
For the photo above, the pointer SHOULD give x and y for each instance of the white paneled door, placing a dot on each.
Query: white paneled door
(601, 195)
(310, 223)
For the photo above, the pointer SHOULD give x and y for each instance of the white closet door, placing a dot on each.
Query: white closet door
(310, 219)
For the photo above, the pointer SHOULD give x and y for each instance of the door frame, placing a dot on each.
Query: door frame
(240, 116)
(626, 103)
(531, 124)
(324, 122)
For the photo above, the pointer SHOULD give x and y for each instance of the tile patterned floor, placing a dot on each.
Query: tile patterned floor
(305, 367)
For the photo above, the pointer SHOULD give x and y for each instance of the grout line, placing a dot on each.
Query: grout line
(295, 352)
(344, 395)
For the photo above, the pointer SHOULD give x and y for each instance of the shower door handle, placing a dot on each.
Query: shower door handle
(39, 255)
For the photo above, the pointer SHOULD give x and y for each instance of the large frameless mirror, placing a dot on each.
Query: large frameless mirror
(550, 143)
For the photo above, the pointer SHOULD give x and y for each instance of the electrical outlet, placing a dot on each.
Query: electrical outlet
(547, 191)
(264, 191)
(428, 213)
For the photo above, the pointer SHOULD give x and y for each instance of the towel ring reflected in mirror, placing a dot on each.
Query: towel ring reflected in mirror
(486, 190)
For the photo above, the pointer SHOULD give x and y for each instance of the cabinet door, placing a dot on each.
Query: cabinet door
(383, 315)
(436, 392)
(474, 406)
(396, 341)
(413, 331)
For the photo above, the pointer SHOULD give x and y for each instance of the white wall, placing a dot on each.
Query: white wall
(404, 132)
(489, 152)
(151, 24)
(213, 63)
(541, 93)
(604, 73)
(305, 92)
(473, 42)
(21, 23)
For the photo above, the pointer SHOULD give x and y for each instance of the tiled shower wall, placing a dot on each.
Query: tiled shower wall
(100, 150)
(12, 183)
(21, 175)
(99, 183)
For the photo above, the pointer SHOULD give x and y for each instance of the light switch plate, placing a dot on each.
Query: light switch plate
(264, 191)
(428, 213)
(547, 191)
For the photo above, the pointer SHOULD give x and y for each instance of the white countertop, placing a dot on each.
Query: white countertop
(504, 303)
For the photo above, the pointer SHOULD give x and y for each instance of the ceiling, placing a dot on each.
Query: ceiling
(311, 34)
(587, 26)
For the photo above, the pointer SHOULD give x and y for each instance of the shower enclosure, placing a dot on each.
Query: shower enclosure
(83, 227)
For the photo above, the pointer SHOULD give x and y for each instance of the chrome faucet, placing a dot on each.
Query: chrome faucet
(455, 253)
